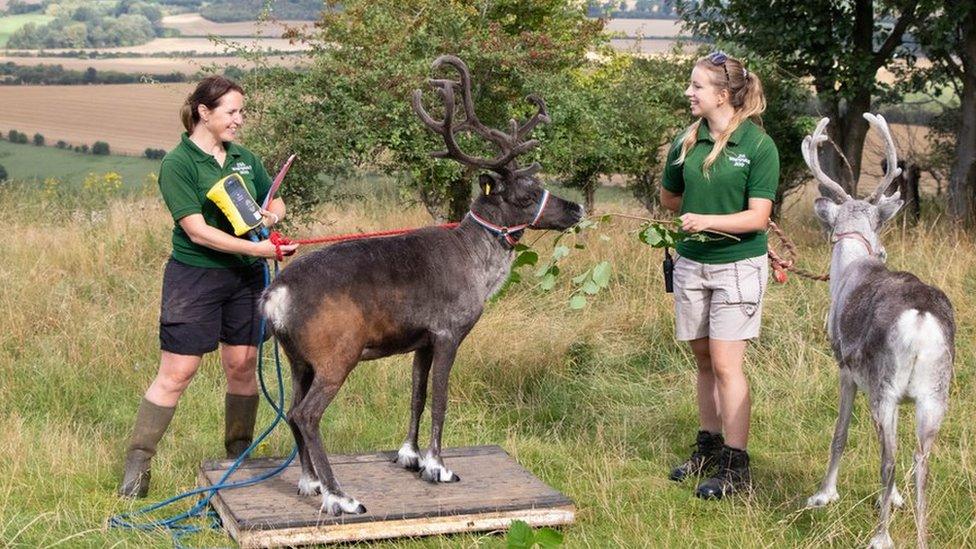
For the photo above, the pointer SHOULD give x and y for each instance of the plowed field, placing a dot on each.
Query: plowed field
(129, 117)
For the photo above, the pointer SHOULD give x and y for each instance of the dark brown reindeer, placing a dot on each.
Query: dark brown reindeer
(893, 336)
(420, 292)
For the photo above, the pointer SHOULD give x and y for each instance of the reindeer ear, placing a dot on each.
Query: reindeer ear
(490, 183)
(826, 210)
(888, 206)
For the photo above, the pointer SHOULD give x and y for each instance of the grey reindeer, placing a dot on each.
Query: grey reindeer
(892, 335)
(420, 292)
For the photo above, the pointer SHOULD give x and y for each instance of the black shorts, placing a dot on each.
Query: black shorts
(203, 306)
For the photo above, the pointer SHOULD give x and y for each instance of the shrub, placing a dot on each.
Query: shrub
(82, 149)
(3, 173)
(100, 148)
(16, 137)
(38, 140)
(62, 144)
(154, 154)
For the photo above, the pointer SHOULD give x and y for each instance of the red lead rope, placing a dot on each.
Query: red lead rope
(280, 240)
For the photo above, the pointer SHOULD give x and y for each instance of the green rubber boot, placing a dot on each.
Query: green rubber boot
(151, 423)
(240, 413)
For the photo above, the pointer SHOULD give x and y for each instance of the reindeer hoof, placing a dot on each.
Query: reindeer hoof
(881, 540)
(822, 498)
(438, 474)
(336, 505)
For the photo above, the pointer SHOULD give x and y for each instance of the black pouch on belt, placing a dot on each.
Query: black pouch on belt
(668, 272)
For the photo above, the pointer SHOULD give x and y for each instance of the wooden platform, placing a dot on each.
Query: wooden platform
(494, 490)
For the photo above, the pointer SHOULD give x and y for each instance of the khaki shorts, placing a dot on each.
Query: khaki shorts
(719, 301)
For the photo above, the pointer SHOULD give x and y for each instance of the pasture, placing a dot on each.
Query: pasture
(10, 23)
(26, 162)
(598, 403)
(129, 118)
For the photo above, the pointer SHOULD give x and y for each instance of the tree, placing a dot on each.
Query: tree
(948, 36)
(351, 107)
(38, 140)
(839, 44)
(3, 173)
(100, 148)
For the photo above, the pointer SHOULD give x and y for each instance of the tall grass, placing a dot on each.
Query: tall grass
(597, 403)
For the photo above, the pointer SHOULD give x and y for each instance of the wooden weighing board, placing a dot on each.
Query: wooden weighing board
(494, 490)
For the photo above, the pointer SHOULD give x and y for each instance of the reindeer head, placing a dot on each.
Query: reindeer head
(512, 198)
(843, 215)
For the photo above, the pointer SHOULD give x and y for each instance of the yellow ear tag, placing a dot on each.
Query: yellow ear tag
(487, 188)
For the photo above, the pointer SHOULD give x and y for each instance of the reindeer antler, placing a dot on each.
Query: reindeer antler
(510, 145)
(891, 157)
(828, 187)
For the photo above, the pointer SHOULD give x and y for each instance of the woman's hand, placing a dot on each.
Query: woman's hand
(695, 223)
(266, 249)
(269, 218)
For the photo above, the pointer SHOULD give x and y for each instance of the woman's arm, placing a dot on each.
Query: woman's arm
(670, 200)
(753, 219)
(275, 212)
(205, 235)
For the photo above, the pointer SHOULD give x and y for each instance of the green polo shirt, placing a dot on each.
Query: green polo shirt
(747, 168)
(185, 176)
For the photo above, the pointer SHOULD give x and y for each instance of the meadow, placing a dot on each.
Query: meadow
(27, 162)
(10, 23)
(597, 403)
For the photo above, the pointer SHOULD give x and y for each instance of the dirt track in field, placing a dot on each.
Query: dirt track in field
(129, 117)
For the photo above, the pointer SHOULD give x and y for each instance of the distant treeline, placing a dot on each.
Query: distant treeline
(18, 7)
(12, 74)
(227, 11)
(128, 23)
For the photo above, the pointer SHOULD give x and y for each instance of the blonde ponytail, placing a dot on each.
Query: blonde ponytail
(746, 96)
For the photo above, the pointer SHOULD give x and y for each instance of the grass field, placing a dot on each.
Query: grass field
(30, 162)
(10, 23)
(175, 45)
(598, 403)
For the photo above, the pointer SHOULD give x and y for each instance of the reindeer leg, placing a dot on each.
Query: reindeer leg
(432, 466)
(885, 415)
(308, 415)
(928, 419)
(308, 482)
(409, 455)
(828, 488)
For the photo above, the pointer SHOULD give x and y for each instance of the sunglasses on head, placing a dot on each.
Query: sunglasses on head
(719, 58)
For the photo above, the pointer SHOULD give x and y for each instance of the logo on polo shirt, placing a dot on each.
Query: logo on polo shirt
(739, 160)
(241, 168)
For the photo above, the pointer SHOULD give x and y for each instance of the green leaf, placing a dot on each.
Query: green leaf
(547, 538)
(601, 274)
(577, 302)
(579, 279)
(548, 282)
(650, 236)
(590, 287)
(521, 247)
(559, 252)
(527, 257)
(519, 536)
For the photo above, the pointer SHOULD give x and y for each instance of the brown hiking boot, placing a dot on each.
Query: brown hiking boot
(151, 423)
(703, 459)
(240, 413)
(733, 475)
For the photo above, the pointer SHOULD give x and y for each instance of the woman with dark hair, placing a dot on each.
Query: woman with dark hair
(212, 280)
(721, 174)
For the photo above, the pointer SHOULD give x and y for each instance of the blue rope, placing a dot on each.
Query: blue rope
(175, 524)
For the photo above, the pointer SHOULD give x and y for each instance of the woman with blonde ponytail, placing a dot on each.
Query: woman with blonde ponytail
(721, 175)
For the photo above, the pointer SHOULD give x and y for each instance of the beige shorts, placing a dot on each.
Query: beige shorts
(719, 301)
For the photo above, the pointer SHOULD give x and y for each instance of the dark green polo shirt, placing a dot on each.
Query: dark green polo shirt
(747, 168)
(185, 176)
